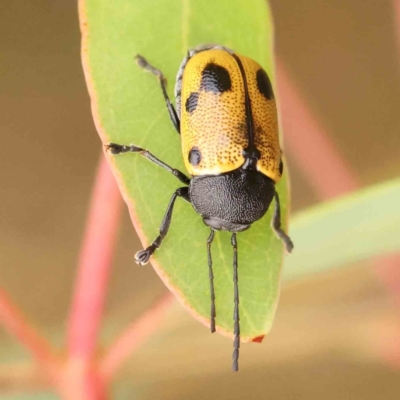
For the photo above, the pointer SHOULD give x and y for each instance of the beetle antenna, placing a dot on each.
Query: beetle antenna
(211, 275)
(236, 329)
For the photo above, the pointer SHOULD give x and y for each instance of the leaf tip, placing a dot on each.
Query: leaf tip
(258, 339)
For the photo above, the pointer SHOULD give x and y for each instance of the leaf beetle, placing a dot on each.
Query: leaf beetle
(225, 112)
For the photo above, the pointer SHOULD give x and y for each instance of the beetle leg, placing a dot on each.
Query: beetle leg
(236, 319)
(120, 148)
(276, 225)
(142, 257)
(142, 62)
(211, 276)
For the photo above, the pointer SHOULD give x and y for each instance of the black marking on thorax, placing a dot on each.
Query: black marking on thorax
(215, 78)
(251, 153)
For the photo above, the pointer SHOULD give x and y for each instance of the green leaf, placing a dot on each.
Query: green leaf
(347, 230)
(128, 108)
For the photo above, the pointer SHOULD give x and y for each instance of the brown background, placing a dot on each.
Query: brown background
(329, 330)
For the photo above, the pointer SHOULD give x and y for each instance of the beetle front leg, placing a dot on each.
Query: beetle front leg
(276, 225)
(142, 257)
(115, 149)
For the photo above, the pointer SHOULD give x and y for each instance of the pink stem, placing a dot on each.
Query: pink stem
(309, 144)
(133, 336)
(16, 324)
(94, 267)
(388, 270)
(388, 267)
(396, 12)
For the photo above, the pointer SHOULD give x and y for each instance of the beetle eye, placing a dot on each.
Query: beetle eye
(194, 156)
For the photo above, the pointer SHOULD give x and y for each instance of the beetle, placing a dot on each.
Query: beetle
(225, 112)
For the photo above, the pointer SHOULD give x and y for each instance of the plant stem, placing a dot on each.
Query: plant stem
(396, 12)
(309, 144)
(133, 336)
(338, 178)
(17, 325)
(94, 266)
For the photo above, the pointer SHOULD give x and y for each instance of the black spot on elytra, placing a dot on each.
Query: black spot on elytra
(194, 156)
(191, 102)
(281, 168)
(264, 84)
(215, 78)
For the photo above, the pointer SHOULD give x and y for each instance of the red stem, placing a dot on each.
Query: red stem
(396, 12)
(133, 336)
(17, 325)
(94, 267)
(388, 267)
(328, 172)
(309, 144)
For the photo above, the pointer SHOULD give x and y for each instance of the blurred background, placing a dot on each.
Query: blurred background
(332, 332)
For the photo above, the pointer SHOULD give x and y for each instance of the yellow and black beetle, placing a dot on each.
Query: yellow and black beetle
(226, 116)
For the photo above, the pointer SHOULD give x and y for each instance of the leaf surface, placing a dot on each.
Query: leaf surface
(350, 229)
(128, 108)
